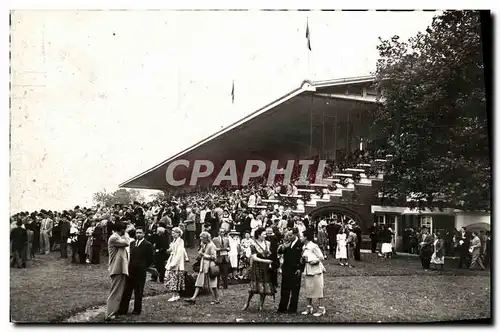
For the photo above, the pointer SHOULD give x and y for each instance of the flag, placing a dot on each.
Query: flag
(232, 93)
(308, 36)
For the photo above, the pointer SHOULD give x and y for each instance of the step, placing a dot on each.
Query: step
(357, 170)
(330, 180)
(364, 165)
(306, 190)
(342, 175)
(270, 200)
(319, 184)
(381, 160)
(291, 196)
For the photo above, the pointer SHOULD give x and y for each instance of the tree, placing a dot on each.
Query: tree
(103, 198)
(120, 196)
(136, 196)
(433, 114)
(158, 196)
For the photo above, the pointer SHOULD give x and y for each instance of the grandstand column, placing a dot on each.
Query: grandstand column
(335, 136)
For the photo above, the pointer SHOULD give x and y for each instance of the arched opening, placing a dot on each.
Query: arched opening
(328, 210)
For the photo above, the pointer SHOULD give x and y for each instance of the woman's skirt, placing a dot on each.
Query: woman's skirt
(314, 286)
(261, 281)
(386, 248)
(341, 252)
(174, 281)
(204, 281)
(233, 259)
(437, 260)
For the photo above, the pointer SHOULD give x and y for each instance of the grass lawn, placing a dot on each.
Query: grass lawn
(396, 290)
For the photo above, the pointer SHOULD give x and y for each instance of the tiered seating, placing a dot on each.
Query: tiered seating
(344, 181)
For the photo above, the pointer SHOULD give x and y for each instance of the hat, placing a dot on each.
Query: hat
(234, 232)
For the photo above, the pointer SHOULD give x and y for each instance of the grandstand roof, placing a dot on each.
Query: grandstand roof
(283, 126)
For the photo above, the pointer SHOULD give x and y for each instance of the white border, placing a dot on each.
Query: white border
(31, 4)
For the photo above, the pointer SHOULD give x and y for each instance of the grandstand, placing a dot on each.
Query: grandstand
(327, 120)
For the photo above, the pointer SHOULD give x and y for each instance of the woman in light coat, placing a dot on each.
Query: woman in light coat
(208, 254)
(174, 275)
(312, 257)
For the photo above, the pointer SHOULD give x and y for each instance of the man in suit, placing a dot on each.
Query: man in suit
(45, 234)
(273, 239)
(357, 252)
(65, 228)
(463, 248)
(291, 272)
(19, 241)
(374, 233)
(141, 257)
(332, 229)
(222, 246)
(118, 268)
(426, 242)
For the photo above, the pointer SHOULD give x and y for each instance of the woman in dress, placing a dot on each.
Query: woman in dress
(437, 257)
(245, 256)
(341, 253)
(260, 274)
(386, 238)
(323, 239)
(226, 220)
(313, 271)
(207, 254)
(234, 250)
(174, 274)
(88, 246)
(255, 223)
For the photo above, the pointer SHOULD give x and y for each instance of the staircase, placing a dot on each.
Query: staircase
(354, 195)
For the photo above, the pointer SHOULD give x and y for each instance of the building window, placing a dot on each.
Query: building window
(426, 221)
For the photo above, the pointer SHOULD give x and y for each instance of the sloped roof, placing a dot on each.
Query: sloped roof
(306, 87)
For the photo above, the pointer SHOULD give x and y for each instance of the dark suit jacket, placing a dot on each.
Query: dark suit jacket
(19, 238)
(65, 227)
(291, 263)
(332, 230)
(274, 241)
(141, 257)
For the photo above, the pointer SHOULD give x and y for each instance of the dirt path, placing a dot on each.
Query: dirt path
(91, 313)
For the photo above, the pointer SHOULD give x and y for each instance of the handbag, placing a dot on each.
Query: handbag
(196, 266)
(213, 271)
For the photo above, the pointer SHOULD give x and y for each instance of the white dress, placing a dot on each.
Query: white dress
(341, 246)
(386, 248)
(434, 259)
(233, 251)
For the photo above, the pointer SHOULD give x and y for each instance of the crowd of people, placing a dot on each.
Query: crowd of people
(249, 235)
(472, 247)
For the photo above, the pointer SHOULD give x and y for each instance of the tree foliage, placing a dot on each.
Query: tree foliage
(120, 196)
(433, 113)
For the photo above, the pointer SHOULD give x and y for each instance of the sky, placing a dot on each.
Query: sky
(98, 97)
